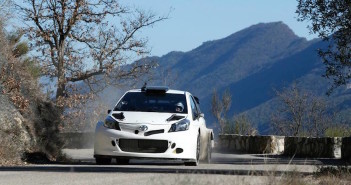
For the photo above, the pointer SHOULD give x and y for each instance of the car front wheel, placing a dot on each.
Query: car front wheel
(195, 163)
(209, 152)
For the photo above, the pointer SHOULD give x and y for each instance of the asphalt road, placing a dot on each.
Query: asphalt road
(221, 163)
(225, 169)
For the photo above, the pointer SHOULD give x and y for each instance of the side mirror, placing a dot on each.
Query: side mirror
(108, 111)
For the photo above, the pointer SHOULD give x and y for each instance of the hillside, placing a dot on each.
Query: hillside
(231, 59)
(251, 63)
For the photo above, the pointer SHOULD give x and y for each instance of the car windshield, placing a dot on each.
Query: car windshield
(152, 102)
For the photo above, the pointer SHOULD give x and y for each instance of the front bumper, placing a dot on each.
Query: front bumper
(180, 145)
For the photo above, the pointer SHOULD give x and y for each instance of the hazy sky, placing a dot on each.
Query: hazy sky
(193, 22)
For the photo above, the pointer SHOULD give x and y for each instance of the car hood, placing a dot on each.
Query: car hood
(154, 118)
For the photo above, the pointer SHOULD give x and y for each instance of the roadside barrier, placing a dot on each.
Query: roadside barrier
(234, 143)
(324, 147)
(346, 149)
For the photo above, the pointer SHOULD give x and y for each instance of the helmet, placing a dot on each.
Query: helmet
(179, 107)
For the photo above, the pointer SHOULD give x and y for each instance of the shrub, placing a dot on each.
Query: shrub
(241, 125)
(338, 131)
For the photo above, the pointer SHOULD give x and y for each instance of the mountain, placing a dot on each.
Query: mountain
(234, 58)
(252, 64)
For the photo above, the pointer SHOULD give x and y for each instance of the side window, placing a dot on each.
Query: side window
(193, 108)
(198, 107)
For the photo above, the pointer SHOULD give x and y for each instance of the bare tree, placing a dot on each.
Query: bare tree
(220, 107)
(243, 126)
(5, 9)
(89, 41)
(300, 113)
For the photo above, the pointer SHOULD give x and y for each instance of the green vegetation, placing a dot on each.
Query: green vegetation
(32, 67)
(338, 131)
(241, 125)
(330, 20)
(20, 50)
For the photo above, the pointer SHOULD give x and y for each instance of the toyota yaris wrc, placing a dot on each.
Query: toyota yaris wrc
(154, 123)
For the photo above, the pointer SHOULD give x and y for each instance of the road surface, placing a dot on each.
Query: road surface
(225, 169)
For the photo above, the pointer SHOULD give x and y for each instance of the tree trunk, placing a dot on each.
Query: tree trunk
(61, 87)
(61, 77)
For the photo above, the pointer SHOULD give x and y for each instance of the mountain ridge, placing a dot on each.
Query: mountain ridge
(227, 56)
(252, 63)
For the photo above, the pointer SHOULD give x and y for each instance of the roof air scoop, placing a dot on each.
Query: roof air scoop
(154, 89)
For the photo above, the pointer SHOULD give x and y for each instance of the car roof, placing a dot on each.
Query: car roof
(170, 91)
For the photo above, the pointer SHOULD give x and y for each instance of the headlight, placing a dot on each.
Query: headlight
(111, 123)
(180, 126)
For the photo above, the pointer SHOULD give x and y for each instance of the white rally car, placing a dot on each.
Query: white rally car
(154, 123)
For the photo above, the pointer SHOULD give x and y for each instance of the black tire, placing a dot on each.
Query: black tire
(195, 163)
(190, 163)
(103, 161)
(209, 152)
(122, 161)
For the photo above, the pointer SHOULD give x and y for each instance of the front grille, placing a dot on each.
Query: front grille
(143, 145)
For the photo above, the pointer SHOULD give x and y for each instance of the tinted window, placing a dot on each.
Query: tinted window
(147, 102)
(193, 108)
(197, 106)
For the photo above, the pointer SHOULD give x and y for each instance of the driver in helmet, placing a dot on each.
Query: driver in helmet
(179, 107)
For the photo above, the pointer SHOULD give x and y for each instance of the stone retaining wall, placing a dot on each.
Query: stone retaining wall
(327, 147)
(234, 143)
(346, 149)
